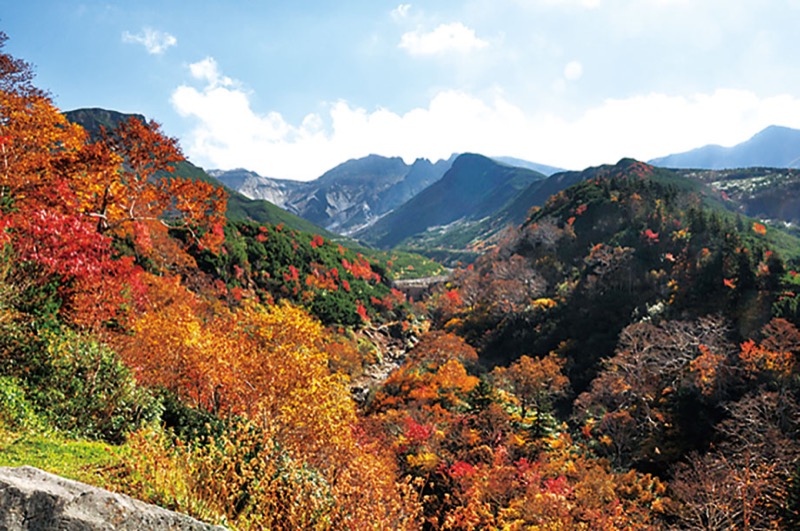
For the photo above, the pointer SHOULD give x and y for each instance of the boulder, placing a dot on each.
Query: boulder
(32, 499)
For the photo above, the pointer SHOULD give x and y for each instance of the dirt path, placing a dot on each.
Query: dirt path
(392, 353)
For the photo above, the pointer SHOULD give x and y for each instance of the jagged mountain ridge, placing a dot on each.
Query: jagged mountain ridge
(775, 146)
(346, 198)
(475, 187)
(353, 196)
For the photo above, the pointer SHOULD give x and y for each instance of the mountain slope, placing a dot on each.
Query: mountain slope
(765, 193)
(241, 208)
(346, 198)
(626, 240)
(348, 194)
(775, 146)
(633, 267)
(535, 166)
(473, 188)
(421, 174)
(462, 240)
(94, 120)
(254, 186)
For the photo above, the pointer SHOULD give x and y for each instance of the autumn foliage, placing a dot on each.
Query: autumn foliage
(625, 359)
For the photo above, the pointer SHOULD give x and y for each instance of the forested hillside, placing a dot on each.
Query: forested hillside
(655, 331)
(626, 358)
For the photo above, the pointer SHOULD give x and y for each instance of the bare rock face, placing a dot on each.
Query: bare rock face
(34, 500)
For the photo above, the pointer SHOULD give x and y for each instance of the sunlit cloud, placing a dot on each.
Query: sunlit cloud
(154, 41)
(228, 133)
(453, 37)
(207, 70)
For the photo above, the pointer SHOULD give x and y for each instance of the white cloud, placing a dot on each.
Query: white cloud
(155, 42)
(653, 125)
(207, 70)
(401, 11)
(573, 70)
(229, 133)
(453, 37)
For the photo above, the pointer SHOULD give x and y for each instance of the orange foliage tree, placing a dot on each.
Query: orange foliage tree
(128, 199)
(560, 488)
(475, 468)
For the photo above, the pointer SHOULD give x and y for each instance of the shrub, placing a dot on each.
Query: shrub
(15, 410)
(188, 423)
(85, 390)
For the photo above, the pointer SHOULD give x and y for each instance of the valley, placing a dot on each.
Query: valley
(610, 348)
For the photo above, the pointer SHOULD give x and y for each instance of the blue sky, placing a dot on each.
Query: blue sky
(290, 89)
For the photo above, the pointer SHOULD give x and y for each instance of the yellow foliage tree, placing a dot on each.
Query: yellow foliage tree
(300, 454)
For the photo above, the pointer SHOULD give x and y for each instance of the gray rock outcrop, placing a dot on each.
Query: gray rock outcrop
(33, 500)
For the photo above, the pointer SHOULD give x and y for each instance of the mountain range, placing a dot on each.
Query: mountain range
(346, 198)
(473, 189)
(455, 205)
(774, 147)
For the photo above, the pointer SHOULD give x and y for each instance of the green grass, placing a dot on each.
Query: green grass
(405, 265)
(74, 459)
(786, 244)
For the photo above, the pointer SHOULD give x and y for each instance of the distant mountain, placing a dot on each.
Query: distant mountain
(349, 197)
(436, 223)
(518, 209)
(475, 187)
(775, 147)
(242, 208)
(535, 166)
(254, 186)
(421, 174)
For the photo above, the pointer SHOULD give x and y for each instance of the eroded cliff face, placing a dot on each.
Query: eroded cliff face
(347, 198)
(33, 500)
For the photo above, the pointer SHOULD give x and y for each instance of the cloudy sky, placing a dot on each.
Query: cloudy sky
(290, 89)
